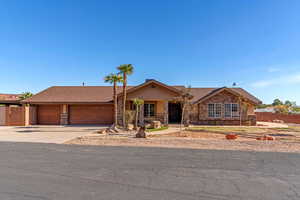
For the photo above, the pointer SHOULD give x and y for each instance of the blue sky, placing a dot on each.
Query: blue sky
(212, 43)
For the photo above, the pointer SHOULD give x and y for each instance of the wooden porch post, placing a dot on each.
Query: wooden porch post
(166, 112)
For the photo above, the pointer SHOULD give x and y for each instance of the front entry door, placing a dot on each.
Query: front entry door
(174, 112)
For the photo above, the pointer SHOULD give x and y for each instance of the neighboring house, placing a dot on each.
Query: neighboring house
(268, 109)
(6, 99)
(93, 105)
(7, 114)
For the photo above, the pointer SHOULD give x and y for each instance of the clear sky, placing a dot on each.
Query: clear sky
(212, 43)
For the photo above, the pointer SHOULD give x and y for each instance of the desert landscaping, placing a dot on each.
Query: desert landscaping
(283, 139)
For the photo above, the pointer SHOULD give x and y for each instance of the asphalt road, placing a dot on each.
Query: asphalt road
(61, 172)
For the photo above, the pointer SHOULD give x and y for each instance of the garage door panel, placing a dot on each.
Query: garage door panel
(49, 114)
(91, 114)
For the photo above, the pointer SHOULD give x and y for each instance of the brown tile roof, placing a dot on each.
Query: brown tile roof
(103, 94)
(9, 98)
(200, 93)
(74, 94)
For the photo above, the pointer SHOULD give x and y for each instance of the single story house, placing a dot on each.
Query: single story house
(94, 105)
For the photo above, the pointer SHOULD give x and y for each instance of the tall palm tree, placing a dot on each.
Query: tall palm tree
(114, 79)
(125, 70)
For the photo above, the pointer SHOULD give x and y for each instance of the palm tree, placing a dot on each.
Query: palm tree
(125, 69)
(25, 95)
(114, 79)
(137, 102)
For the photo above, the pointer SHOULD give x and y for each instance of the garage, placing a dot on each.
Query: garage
(48, 114)
(91, 114)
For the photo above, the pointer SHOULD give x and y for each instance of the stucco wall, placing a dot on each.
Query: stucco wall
(160, 107)
(152, 92)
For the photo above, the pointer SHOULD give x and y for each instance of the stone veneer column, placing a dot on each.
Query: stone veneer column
(166, 112)
(64, 116)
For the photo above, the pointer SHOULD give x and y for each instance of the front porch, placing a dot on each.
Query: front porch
(156, 110)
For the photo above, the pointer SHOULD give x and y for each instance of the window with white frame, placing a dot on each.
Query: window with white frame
(149, 109)
(214, 110)
(232, 110)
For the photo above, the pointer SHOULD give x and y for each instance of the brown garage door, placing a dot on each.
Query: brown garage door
(48, 114)
(91, 114)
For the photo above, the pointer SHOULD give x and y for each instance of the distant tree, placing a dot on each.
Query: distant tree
(288, 103)
(277, 102)
(25, 95)
(125, 70)
(283, 109)
(137, 102)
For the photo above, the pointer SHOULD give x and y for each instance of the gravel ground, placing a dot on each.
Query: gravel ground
(193, 143)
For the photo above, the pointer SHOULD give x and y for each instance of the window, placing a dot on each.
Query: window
(235, 110)
(211, 110)
(149, 110)
(232, 110)
(214, 110)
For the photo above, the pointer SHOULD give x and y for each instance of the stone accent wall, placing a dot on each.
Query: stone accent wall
(64, 119)
(64, 116)
(199, 112)
(32, 115)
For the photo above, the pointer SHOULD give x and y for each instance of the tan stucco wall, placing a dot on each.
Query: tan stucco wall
(2, 115)
(152, 92)
(160, 107)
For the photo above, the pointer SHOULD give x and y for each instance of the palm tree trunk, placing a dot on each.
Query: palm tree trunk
(136, 116)
(115, 104)
(124, 99)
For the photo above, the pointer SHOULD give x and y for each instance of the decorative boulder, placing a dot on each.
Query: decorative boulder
(155, 124)
(102, 131)
(231, 136)
(141, 133)
(130, 127)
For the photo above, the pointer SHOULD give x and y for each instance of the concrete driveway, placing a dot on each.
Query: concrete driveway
(44, 134)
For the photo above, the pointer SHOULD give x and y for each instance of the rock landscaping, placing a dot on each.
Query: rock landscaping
(219, 138)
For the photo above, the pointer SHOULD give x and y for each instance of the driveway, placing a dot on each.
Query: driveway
(44, 134)
(32, 171)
